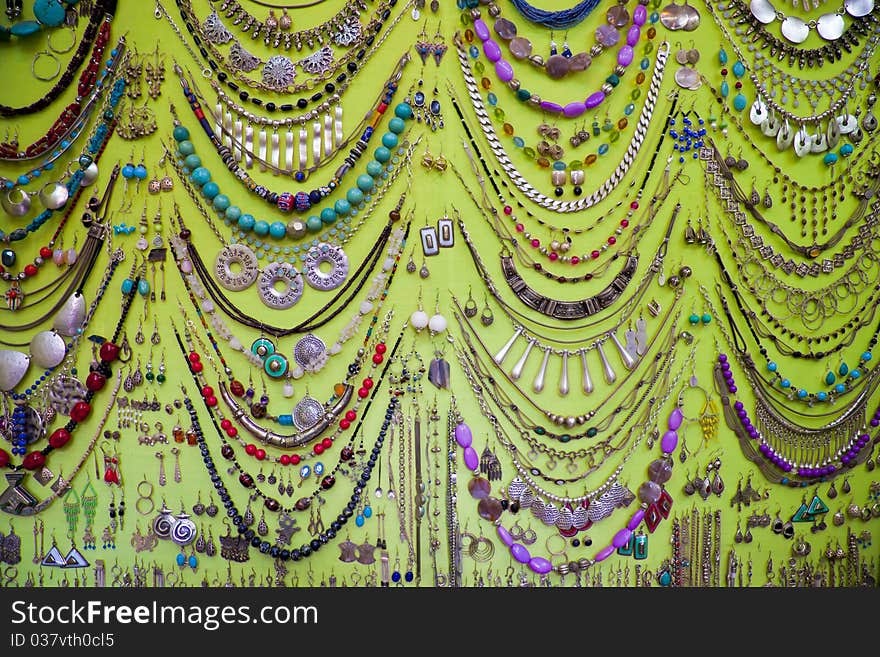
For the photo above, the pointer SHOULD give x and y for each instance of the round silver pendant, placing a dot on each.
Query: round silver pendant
(245, 258)
(858, 8)
(847, 123)
(802, 142)
(688, 78)
(13, 366)
(69, 320)
(64, 392)
(830, 26)
(307, 413)
(48, 349)
(290, 279)
(30, 427)
(309, 352)
(335, 276)
(90, 175)
(794, 29)
(54, 195)
(16, 202)
(758, 112)
(763, 11)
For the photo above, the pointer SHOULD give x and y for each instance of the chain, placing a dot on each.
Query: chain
(160, 12)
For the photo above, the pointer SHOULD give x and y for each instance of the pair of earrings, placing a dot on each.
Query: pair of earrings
(739, 537)
(687, 77)
(163, 184)
(430, 162)
(436, 48)
(471, 310)
(424, 272)
(697, 235)
(419, 320)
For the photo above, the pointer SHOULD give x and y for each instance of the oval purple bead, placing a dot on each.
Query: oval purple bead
(471, 460)
(625, 56)
(549, 106)
(540, 565)
(463, 435)
(669, 442)
(520, 553)
(492, 50)
(640, 15)
(594, 100)
(481, 29)
(504, 70)
(605, 553)
(621, 538)
(504, 535)
(636, 520)
(633, 35)
(675, 419)
(576, 109)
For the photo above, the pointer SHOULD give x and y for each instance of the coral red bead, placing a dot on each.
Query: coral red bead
(30, 270)
(634, 205)
(295, 459)
(4, 458)
(381, 348)
(109, 352)
(80, 411)
(194, 357)
(327, 443)
(344, 424)
(260, 454)
(377, 358)
(236, 388)
(33, 461)
(368, 383)
(553, 256)
(59, 438)
(211, 401)
(318, 449)
(207, 391)
(45, 252)
(363, 392)
(350, 416)
(535, 243)
(196, 367)
(250, 449)
(284, 460)
(225, 424)
(95, 381)
(232, 432)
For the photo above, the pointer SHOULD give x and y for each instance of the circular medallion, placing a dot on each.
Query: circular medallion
(16, 202)
(245, 258)
(763, 11)
(64, 392)
(26, 424)
(858, 8)
(13, 366)
(335, 276)
(54, 195)
(276, 366)
(794, 29)
(758, 112)
(48, 349)
(288, 276)
(307, 413)
(830, 26)
(184, 531)
(309, 353)
(263, 347)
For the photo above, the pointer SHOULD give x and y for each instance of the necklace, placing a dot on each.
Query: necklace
(89, 91)
(102, 13)
(830, 26)
(49, 15)
(562, 19)
(301, 201)
(506, 164)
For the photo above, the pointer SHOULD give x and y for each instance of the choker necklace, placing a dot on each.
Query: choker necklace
(101, 16)
(830, 26)
(517, 178)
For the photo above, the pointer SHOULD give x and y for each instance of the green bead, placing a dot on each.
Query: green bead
(540, 431)
(591, 432)
(564, 438)
(160, 378)
(694, 319)
(181, 133)
(403, 111)
(192, 162)
(830, 378)
(277, 230)
(389, 140)
(382, 154)
(739, 102)
(50, 13)
(25, 28)
(613, 79)
(201, 176)
(150, 376)
(221, 202)
(354, 196)
(374, 168)
(210, 190)
(186, 147)
(364, 182)
(261, 228)
(246, 222)
(233, 213)
(314, 224)
(397, 125)
(328, 216)
(706, 318)
(342, 207)
(523, 94)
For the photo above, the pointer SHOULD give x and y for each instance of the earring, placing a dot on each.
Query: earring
(738, 537)
(437, 324)
(427, 160)
(440, 164)
(439, 47)
(470, 306)
(423, 47)
(411, 265)
(155, 74)
(419, 319)
(486, 318)
(423, 271)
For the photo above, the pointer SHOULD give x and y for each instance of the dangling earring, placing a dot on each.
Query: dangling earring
(411, 265)
(423, 271)
(437, 324)
(738, 537)
(487, 317)
(470, 306)
(423, 47)
(419, 319)
(439, 46)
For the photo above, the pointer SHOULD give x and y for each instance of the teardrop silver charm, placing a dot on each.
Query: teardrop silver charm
(502, 353)
(13, 366)
(563, 376)
(610, 376)
(586, 379)
(641, 336)
(69, 320)
(628, 361)
(538, 384)
(517, 370)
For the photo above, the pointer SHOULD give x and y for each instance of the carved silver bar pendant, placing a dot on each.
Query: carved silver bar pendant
(587, 383)
(328, 134)
(337, 126)
(628, 361)
(610, 376)
(303, 149)
(248, 146)
(261, 148)
(517, 370)
(563, 377)
(238, 133)
(641, 336)
(276, 151)
(316, 142)
(538, 384)
(288, 150)
(227, 130)
(218, 121)
(502, 353)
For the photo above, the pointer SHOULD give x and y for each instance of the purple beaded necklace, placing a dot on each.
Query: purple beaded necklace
(625, 55)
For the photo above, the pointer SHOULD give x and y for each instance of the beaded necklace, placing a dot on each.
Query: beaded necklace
(562, 19)
(301, 201)
(91, 87)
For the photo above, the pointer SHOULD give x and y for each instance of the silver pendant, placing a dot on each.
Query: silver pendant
(329, 280)
(247, 261)
(242, 60)
(16, 202)
(63, 392)
(54, 195)
(307, 413)
(279, 72)
(319, 62)
(538, 383)
(48, 349)
(13, 366)
(502, 353)
(289, 277)
(563, 375)
(215, 31)
(69, 320)
(794, 29)
(830, 26)
(310, 353)
(858, 8)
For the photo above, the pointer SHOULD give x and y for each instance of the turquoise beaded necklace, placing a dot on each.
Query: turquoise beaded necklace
(334, 220)
(48, 14)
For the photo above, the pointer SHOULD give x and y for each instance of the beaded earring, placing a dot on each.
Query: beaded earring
(439, 46)
(423, 47)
